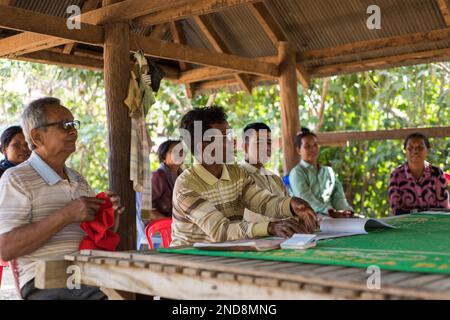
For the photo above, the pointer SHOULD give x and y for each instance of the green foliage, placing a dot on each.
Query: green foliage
(416, 96)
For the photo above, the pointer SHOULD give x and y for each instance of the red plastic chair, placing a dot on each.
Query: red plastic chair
(162, 226)
(3, 264)
(447, 177)
(12, 264)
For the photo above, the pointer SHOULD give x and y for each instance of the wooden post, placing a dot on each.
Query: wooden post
(116, 56)
(290, 123)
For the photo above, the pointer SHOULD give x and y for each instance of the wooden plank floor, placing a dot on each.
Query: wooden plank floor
(203, 277)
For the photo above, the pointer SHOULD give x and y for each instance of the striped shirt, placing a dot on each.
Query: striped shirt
(29, 193)
(267, 180)
(208, 209)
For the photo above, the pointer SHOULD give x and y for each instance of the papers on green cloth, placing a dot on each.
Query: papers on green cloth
(335, 228)
(329, 228)
(271, 243)
(421, 243)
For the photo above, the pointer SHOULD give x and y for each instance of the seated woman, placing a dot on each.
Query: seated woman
(163, 179)
(14, 148)
(171, 157)
(417, 185)
(317, 184)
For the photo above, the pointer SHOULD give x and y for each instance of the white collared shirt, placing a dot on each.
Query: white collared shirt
(29, 193)
(267, 180)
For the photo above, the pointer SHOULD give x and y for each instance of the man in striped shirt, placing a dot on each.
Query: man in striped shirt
(209, 199)
(42, 202)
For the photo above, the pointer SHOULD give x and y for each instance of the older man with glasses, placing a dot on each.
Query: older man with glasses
(42, 201)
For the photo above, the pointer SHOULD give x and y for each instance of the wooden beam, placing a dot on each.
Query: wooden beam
(117, 68)
(25, 20)
(64, 60)
(158, 31)
(27, 42)
(214, 39)
(172, 51)
(226, 82)
(275, 33)
(129, 10)
(122, 11)
(267, 22)
(88, 5)
(290, 121)
(382, 63)
(217, 84)
(51, 273)
(11, 3)
(377, 44)
(203, 74)
(193, 8)
(445, 11)
(178, 37)
(326, 138)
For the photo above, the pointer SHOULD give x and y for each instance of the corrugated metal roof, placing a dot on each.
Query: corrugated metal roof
(51, 7)
(308, 24)
(312, 24)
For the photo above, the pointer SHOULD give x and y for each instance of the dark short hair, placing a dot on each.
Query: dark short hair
(304, 132)
(9, 134)
(164, 148)
(207, 116)
(256, 126)
(417, 135)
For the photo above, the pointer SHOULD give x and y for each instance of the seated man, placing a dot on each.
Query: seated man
(42, 202)
(258, 150)
(209, 199)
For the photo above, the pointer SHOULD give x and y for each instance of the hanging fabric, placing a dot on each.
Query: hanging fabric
(140, 99)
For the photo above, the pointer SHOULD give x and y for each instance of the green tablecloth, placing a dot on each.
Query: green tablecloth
(421, 244)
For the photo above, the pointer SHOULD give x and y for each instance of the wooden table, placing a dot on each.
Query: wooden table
(178, 276)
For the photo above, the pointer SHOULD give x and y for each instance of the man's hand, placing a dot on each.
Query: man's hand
(117, 207)
(285, 228)
(340, 213)
(305, 213)
(82, 209)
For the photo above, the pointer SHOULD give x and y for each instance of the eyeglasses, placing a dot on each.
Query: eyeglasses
(66, 125)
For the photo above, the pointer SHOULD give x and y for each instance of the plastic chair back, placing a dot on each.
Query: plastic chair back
(162, 226)
(447, 177)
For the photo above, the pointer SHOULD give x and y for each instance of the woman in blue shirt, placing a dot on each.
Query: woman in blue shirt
(315, 183)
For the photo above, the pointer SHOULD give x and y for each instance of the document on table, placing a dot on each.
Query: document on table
(335, 228)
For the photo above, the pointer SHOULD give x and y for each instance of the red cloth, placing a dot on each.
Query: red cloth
(99, 237)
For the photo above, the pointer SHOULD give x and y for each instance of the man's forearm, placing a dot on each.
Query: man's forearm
(26, 239)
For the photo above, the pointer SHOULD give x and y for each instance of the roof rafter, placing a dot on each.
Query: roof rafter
(275, 33)
(178, 37)
(445, 11)
(220, 46)
(193, 8)
(25, 20)
(88, 5)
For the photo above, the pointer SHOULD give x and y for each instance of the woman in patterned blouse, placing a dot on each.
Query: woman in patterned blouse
(417, 185)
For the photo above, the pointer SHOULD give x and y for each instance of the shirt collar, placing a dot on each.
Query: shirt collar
(248, 167)
(207, 176)
(426, 172)
(252, 169)
(46, 172)
(305, 164)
